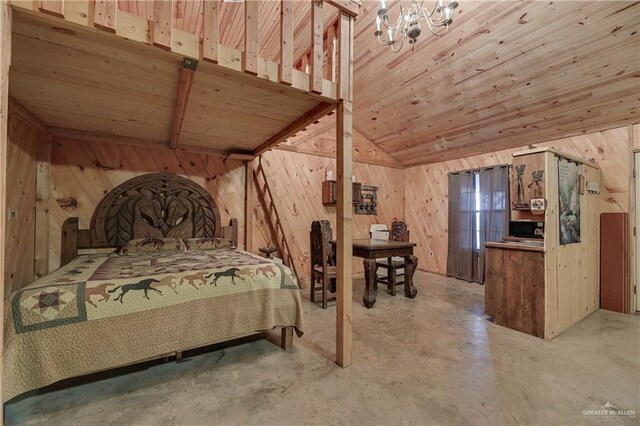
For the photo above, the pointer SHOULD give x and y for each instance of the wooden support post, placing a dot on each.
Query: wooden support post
(104, 16)
(211, 32)
(344, 166)
(344, 58)
(187, 72)
(286, 41)
(43, 191)
(251, 37)
(5, 62)
(344, 238)
(249, 193)
(317, 57)
(52, 7)
(162, 23)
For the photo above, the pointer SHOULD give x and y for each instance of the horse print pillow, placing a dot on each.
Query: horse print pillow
(149, 245)
(206, 243)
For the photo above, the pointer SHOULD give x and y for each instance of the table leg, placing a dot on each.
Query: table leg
(410, 265)
(369, 297)
(391, 277)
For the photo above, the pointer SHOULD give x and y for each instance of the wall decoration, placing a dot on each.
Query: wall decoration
(520, 203)
(538, 205)
(569, 195)
(536, 183)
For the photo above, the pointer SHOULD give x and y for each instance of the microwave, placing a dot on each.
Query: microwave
(526, 229)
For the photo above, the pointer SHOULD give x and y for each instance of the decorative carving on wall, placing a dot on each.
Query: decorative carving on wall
(156, 205)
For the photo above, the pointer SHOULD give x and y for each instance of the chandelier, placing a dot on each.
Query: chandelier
(408, 24)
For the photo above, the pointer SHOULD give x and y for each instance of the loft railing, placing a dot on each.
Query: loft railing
(318, 70)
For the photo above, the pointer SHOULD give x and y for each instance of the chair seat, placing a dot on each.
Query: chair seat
(331, 270)
(384, 263)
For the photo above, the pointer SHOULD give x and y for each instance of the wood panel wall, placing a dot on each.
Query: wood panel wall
(21, 198)
(296, 182)
(82, 172)
(427, 186)
(572, 271)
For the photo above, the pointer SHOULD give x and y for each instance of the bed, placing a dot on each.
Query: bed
(179, 282)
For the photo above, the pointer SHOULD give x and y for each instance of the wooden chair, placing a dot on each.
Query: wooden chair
(323, 265)
(394, 266)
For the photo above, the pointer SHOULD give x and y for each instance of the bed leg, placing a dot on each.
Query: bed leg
(286, 339)
(178, 355)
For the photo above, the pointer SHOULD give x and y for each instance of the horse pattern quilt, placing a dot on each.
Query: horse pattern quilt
(179, 300)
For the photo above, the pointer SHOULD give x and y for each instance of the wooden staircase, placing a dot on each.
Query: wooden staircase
(272, 217)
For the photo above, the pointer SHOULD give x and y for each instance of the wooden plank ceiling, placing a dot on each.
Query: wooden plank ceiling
(75, 79)
(508, 73)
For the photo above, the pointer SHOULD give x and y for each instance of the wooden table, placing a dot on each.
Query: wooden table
(370, 250)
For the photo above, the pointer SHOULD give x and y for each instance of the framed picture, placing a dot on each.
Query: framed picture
(569, 197)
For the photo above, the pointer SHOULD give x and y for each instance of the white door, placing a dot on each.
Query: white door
(637, 225)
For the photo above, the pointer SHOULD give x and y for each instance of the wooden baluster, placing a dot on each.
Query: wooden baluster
(104, 15)
(328, 70)
(162, 23)
(52, 7)
(286, 41)
(251, 37)
(211, 30)
(344, 64)
(316, 46)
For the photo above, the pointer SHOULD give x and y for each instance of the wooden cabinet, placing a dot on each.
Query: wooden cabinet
(514, 288)
(330, 192)
(545, 291)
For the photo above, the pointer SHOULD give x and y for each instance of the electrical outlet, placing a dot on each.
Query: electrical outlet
(13, 214)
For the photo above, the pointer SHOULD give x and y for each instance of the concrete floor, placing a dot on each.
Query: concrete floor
(431, 360)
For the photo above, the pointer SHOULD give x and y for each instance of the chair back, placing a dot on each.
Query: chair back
(399, 231)
(320, 238)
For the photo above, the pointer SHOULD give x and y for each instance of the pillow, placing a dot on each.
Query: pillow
(206, 243)
(150, 245)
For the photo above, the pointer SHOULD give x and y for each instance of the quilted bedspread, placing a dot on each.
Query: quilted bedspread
(104, 311)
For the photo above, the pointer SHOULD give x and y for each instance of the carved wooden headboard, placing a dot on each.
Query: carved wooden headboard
(153, 205)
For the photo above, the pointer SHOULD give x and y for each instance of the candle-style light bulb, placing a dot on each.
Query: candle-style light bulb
(447, 13)
(378, 23)
(390, 34)
(382, 5)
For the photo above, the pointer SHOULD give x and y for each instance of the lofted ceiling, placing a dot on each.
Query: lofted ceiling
(507, 74)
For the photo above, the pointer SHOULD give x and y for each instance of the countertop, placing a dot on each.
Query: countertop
(526, 245)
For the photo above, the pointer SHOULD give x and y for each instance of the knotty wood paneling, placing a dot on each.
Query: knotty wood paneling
(296, 182)
(21, 197)
(427, 187)
(82, 172)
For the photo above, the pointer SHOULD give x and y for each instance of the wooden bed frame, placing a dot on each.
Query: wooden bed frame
(153, 205)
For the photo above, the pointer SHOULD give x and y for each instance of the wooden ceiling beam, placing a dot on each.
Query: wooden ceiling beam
(300, 123)
(187, 72)
(351, 7)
